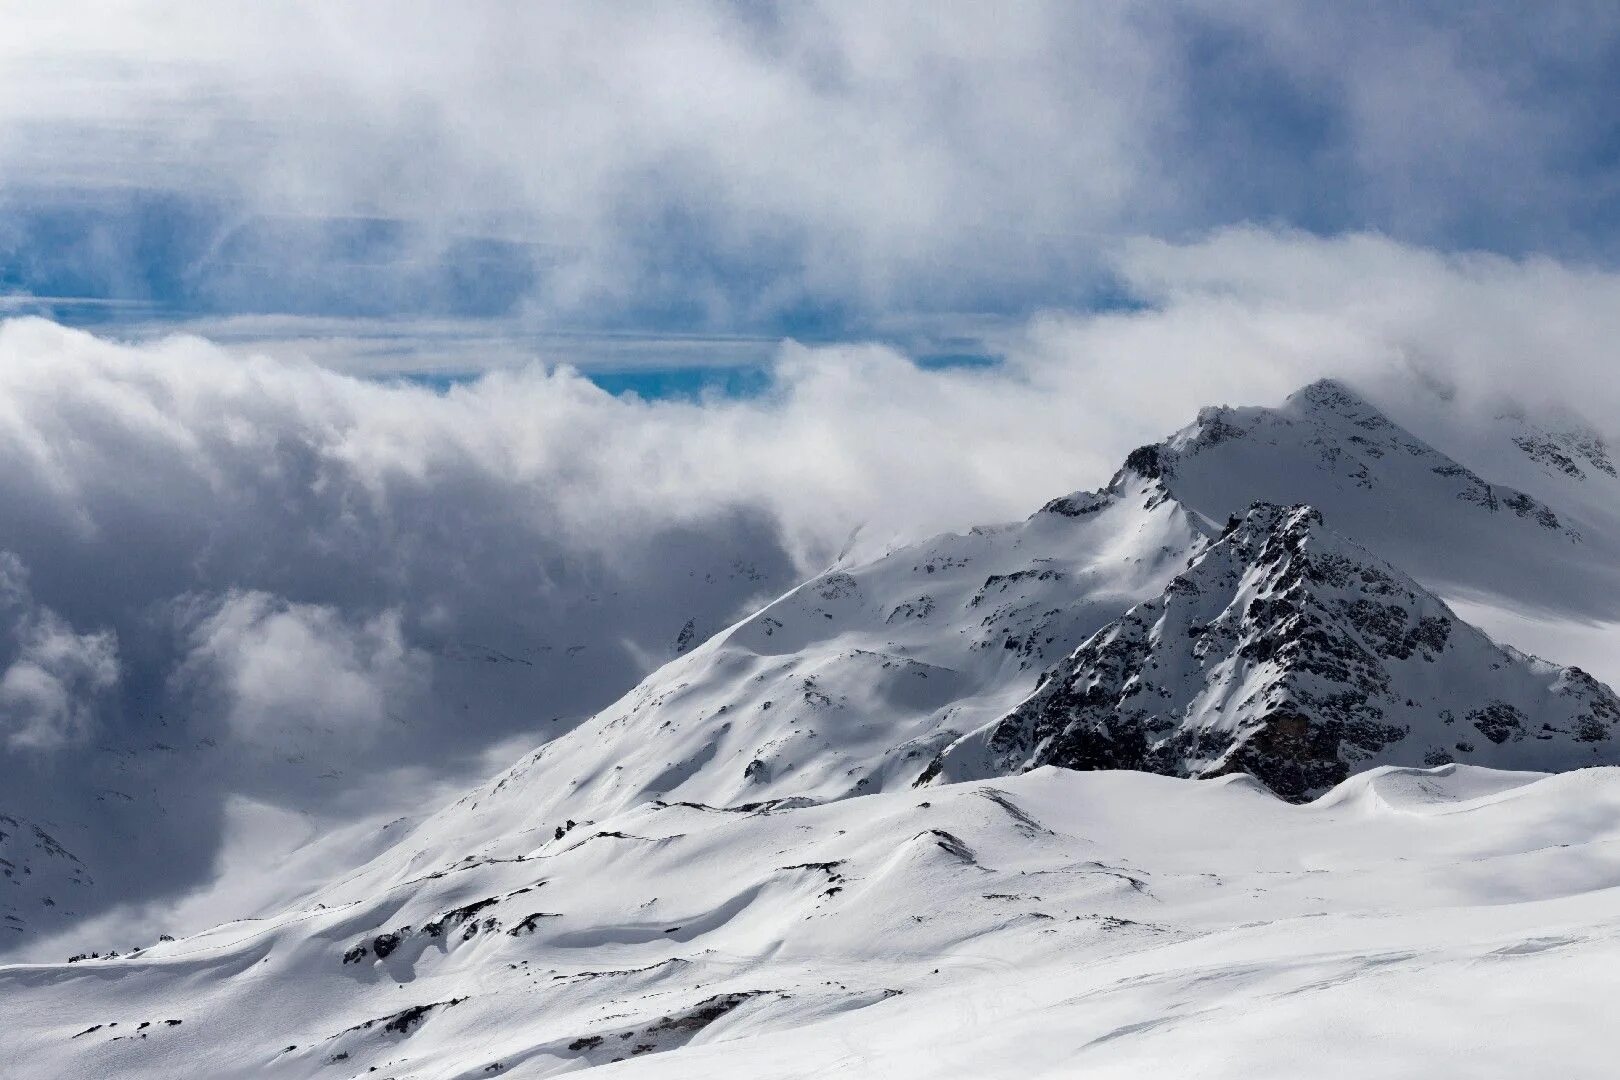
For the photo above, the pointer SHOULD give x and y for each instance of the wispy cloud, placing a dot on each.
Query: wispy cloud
(718, 165)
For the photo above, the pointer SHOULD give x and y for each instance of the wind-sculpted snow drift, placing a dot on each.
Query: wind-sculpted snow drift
(830, 837)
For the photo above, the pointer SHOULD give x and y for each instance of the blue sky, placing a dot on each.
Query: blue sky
(658, 195)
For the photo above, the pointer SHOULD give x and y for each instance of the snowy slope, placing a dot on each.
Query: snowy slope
(1293, 655)
(1563, 463)
(1556, 456)
(854, 681)
(1050, 924)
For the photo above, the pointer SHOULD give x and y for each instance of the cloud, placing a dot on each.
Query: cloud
(48, 694)
(276, 667)
(1534, 330)
(56, 678)
(729, 165)
(321, 589)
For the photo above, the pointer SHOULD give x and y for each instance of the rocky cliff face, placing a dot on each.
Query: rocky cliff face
(1290, 653)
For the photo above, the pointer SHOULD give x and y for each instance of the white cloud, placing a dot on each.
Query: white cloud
(848, 435)
(277, 668)
(837, 131)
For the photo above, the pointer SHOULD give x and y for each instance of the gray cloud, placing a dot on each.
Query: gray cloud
(56, 678)
(273, 669)
(318, 587)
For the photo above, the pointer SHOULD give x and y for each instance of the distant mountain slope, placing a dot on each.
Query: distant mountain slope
(42, 883)
(1289, 653)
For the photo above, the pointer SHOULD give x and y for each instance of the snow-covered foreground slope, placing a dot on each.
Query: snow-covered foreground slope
(1455, 921)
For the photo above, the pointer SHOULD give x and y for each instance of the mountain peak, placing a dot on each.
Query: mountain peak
(1146, 461)
(1333, 394)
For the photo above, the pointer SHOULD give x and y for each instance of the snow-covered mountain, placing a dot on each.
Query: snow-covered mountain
(859, 679)
(830, 836)
(854, 681)
(1290, 654)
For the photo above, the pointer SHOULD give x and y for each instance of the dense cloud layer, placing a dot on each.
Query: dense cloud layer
(261, 580)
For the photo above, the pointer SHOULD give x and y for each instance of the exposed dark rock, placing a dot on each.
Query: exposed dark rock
(531, 922)
(1146, 461)
(1274, 655)
(402, 1022)
(1079, 504)
(1498, 722)
(384, 944)
(456, 917)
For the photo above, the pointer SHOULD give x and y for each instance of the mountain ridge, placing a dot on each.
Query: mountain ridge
(1291, 654)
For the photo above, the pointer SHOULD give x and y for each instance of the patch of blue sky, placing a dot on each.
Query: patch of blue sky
(181, 257)
(681, 383)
